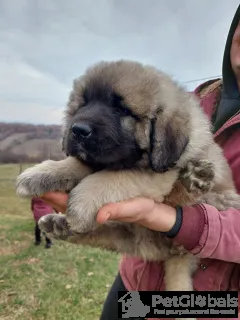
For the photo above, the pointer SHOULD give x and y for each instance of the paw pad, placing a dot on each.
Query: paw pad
(198, 176)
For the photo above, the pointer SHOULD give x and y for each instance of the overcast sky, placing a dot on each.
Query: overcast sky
(45, 44)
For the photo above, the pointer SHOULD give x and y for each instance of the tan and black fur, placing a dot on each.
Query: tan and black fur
(148, 137)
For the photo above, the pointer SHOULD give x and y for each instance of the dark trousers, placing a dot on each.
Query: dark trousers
(38, 235)
(110, 308)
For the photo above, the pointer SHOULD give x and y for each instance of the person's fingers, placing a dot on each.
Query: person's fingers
(58, 200)
(109, 211)
(126, 211)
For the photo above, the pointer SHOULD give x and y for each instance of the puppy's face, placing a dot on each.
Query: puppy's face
(101, 132)
(109, 116)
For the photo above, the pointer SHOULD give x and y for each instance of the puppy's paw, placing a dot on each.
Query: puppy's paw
(33, 182)
(55, 225)
(42, 178)
(198, 176)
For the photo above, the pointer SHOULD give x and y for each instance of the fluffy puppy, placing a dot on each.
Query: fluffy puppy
(130, 131)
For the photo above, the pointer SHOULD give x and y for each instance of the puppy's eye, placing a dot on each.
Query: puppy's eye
(82, 105)
(84, 99)
(119, 106)
(123, 110)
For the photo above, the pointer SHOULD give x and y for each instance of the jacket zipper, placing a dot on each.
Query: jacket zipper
(234, 115)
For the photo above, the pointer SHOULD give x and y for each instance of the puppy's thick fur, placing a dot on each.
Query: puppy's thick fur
(148, 137)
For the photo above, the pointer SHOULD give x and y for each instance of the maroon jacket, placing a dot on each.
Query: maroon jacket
(40, 208)
(212, 235)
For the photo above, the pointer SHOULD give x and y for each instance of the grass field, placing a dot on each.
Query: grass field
(66, 282)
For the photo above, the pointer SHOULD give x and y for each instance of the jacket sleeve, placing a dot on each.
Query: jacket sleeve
(209, 233)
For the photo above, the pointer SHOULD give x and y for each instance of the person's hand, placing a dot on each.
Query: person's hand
(143, 211)
(57, 200)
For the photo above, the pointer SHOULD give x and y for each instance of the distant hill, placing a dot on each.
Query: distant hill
(21, 142)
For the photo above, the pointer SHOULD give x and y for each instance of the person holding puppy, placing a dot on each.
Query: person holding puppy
(212, 235)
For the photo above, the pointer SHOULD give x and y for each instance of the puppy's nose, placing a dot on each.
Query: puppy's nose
(81, 130)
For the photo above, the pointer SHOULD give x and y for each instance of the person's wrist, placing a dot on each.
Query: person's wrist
(161, 218)
(177, 225)
(169, 215)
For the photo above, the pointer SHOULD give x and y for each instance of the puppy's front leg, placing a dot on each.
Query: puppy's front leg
(51, 175)
(105, 187)
(117, 238)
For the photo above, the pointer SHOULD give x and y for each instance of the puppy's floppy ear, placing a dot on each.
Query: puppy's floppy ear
(168, 140)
